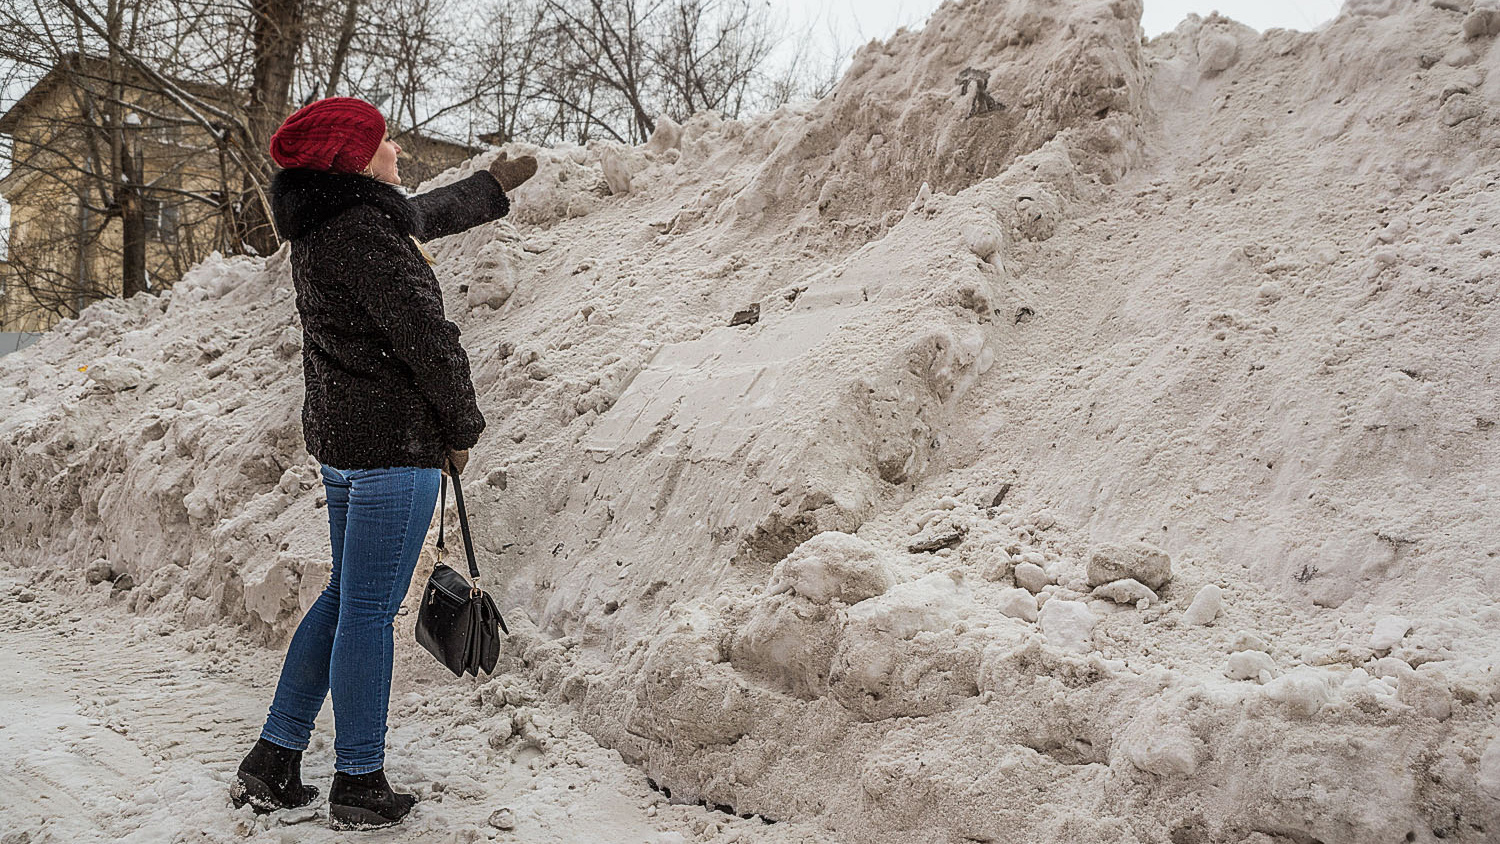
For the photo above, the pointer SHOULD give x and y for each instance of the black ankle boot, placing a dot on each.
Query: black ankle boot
(270, 778)
(366, 801)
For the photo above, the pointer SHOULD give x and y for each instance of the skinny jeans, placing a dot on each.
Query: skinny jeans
(377, 520)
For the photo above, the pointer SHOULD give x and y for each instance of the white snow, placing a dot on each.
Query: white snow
(1068, 624)
(1489, 769)
(1251, 665)
(1389, 632)
(1206, 606)
(1219, 305)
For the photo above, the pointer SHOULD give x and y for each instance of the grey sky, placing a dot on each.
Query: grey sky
(853, 22)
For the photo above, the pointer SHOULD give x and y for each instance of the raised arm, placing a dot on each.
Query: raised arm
(478, 199)
(460, 206)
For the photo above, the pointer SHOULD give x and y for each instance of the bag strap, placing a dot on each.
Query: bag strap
(463, 522)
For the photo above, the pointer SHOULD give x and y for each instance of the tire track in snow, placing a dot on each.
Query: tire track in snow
(118, 728)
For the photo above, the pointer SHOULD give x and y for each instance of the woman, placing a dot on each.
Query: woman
(389, 406)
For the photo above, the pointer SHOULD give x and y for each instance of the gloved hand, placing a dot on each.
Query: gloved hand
(457, 460)
(512, 173)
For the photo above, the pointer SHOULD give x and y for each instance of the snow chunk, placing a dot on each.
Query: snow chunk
(1127, 591)
(1303, 690)
(1247, 641)
(616, 172)
(1481, 23)
(115, 373)
(1251, 665)
(1166, 754)
(983, 239)
(832, 565)
(1068, 624)
(935, 602)
(1489, 769)
(1017, 603)
(1373, 8)
(1217, 51)
(1031, 577)
(1137, 560)
(1389, 632)
(667, 135)
(1206, 606)
(1159, 739)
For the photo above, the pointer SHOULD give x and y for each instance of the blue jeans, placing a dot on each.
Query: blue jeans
(377, 521)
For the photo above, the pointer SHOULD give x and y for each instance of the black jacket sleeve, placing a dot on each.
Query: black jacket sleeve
(401, 295)
(462, 205)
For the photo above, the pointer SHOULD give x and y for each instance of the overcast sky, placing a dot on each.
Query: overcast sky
(851, 23)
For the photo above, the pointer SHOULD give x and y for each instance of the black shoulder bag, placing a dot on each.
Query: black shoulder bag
(458, 623)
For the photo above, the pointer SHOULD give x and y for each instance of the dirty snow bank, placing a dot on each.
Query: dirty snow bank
(1049, 436)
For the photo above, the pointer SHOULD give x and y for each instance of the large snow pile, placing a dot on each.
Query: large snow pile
(1050, 436)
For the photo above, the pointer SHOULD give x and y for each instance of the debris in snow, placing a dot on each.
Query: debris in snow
(941, 533)
(746, 316)
(99, 571)
(116, 373)
(1137, 560)
(503, 818)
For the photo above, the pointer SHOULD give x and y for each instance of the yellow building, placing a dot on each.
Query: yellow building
(84, 134)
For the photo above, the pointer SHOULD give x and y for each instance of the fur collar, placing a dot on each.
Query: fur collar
(303, 200)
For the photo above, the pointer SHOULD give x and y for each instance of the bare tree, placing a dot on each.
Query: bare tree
(341, 47)
(576, 70)
(178, 82)
(156, 88)
(278, 33)
(712, 53)
(506, 75)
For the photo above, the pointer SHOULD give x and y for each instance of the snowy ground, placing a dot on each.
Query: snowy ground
(122, 729)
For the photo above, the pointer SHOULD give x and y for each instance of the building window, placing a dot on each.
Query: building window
(161, 221)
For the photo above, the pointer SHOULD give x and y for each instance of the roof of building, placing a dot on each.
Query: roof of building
(74, 65)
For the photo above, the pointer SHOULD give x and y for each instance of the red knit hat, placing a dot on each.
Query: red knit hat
(337, 133)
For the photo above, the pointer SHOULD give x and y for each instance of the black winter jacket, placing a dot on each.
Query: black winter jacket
(387, 382)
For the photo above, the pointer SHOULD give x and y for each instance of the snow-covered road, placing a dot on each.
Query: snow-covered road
(120, 728)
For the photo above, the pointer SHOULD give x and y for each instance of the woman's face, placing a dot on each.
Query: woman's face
(383, 165)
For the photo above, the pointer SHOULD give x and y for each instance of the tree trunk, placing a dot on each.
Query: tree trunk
(132, 218)
(341, 50)
(278, 31)
(126, 181)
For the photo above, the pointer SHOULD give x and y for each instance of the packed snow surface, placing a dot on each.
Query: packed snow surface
(1049, 436)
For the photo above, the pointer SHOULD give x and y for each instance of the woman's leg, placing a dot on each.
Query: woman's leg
(389, 512)
(304, 674)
